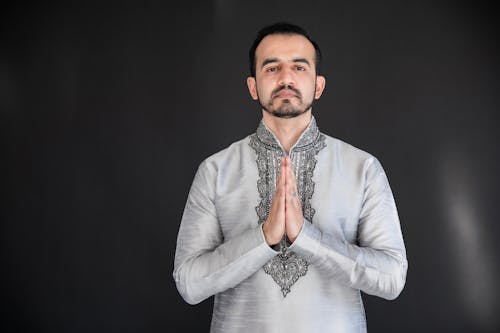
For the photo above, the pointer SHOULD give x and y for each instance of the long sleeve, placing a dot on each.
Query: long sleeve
(205, 262)
(377, 264)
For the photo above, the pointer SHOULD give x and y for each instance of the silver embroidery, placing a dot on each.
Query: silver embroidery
(286, 267)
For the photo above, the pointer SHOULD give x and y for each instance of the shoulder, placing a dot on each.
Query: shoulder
(227, 166)
(349, 157)
(346, 150)
(230, 155)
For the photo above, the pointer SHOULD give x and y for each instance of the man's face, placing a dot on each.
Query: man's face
(285, 82)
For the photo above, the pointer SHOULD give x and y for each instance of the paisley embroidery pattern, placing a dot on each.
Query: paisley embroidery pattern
(286, 267)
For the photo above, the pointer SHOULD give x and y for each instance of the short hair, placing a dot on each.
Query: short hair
(281, 28)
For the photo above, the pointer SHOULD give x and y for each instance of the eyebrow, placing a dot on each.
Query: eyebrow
(268, 61)
(271, 60)
(302, 60)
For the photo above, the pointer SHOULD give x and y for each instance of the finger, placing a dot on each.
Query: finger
(282, 174)
(292, 190)
(278, 202)
(281, 204)
(286, 163)
(281, 191)
(289, 171)
(290, 179)
(274, 227)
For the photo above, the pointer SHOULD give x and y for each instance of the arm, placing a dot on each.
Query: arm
(377, 265)
(206, 263)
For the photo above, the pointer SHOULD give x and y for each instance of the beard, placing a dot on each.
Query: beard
(286, 109)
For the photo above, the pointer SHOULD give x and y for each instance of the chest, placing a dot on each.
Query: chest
(334, 198)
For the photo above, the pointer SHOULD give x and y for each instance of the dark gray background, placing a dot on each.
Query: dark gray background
(107, 109)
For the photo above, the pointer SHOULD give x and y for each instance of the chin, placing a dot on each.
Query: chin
(286, 110)
(287, 114)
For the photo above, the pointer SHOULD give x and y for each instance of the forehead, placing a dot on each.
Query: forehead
(285, 47)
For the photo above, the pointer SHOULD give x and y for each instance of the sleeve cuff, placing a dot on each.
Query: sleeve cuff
(263, 239)
(308, 242)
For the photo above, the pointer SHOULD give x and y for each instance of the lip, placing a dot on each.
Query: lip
(285, 94)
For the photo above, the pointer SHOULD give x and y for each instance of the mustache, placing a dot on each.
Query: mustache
(287, 87)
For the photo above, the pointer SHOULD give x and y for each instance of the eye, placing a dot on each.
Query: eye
(272, 69)
(300, 68)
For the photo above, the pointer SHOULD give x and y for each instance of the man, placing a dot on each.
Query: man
(286, 226)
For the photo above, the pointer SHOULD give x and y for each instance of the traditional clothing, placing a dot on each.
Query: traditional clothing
(351, 239)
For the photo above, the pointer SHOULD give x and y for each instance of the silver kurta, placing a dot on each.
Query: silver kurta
(351, 239)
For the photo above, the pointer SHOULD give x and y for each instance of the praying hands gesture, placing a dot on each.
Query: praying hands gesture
(285, 214)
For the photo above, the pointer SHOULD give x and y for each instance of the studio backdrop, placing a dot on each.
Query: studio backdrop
(107, 109)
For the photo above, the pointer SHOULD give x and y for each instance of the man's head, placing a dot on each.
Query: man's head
(284, 65)
(282, 28)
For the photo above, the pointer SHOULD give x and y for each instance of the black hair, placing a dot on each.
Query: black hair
(283, 28)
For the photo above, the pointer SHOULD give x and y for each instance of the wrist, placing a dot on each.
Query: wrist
(271, 241)
(296, 231)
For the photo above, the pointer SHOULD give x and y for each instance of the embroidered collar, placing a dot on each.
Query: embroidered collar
(306, 141)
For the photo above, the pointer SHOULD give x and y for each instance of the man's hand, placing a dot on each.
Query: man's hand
(286, 211)
(293, 208)
(274, 227)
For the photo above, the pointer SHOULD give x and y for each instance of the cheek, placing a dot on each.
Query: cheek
(262, 89)
(310, 91)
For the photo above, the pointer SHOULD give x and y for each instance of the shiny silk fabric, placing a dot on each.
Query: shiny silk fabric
(352, 242)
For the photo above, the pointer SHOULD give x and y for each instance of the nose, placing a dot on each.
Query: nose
(286, 77)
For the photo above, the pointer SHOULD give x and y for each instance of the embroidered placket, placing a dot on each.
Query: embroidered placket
(286, 267)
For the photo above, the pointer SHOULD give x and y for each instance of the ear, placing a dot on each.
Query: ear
(252, 87)
(320, 86)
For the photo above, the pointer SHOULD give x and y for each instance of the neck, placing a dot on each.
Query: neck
(287, 130)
